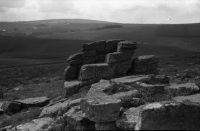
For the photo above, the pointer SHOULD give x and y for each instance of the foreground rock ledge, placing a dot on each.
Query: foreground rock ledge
(166, 115)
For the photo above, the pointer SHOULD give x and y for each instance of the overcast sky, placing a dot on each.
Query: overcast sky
(126, 11)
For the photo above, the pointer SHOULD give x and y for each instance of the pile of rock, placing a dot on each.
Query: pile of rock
(121, 103)
(105, 60)
(91, 53)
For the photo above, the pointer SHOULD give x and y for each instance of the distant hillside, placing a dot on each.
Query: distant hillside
(186, 36)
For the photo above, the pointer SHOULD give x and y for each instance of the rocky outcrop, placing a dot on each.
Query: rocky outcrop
(168, 115)
(100, 60)
(121, 103)
(182, 89)
(111, 100)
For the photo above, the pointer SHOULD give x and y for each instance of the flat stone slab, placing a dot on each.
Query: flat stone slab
(195, 99)
(117, 57)
(34, 102)
(35, 125)
(131, 79)
(55, 108)
(182, 89)
(95, 71)
(147, 57)
(126, 45)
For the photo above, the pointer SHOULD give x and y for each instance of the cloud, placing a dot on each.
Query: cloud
(11, 3)
(128, 11)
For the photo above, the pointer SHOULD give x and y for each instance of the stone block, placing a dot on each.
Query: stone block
(72, 87)
(182, 89)
(111, 45)
(77, 120)
(127, 46)
(117, 57)
(121, 69)
(95, 71)
(34, 102)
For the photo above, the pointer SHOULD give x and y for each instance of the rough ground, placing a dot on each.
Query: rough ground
(61, 113)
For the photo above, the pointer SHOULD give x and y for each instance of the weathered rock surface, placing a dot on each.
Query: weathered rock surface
(59, 107)
(117, 57)
(182, 89)
(95, 71)
(151, 89)
(129, 119)
(11, 107)
(169, 116)
(98, 106)
(34, 102)
(128, 80)
(76, 119)
(127, 47)
(101, 108)
(72, 87)
(111, 45)
(55, 108)
(194, 99)
(35, 125)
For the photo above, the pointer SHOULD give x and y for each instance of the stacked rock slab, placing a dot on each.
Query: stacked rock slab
(115, 63)
(91, 53)
(105, 60)
(146, 64)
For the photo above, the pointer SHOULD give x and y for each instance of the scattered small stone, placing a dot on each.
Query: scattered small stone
(34, 102)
